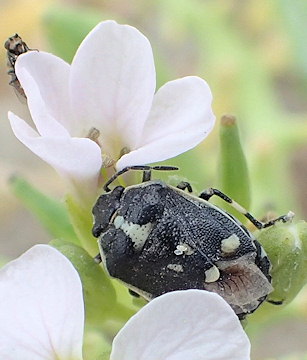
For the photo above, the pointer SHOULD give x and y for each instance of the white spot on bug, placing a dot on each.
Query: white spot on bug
(183, 249)
(180, 249)
(230, 244)
(175, 267)
(137, 233)
(212, 274)
(118, 221)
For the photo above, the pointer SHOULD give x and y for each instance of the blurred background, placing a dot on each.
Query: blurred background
(252, 53)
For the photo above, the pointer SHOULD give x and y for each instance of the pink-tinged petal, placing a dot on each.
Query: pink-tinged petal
(77, 159)
(181, 117)
(113, 81)
(42, 310)
(181, 325)
(44, 78)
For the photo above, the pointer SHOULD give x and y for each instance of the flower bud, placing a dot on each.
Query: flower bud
(286, 246)
(233, 170)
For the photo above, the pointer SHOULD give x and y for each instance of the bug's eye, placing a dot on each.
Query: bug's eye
(97, 230)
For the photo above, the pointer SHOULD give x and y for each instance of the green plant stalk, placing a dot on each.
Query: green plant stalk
(82, 221)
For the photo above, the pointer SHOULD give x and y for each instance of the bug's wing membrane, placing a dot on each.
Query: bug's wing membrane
(242, 284)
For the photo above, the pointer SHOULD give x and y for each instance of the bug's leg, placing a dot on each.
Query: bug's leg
(283, 218)
(146, 175)
(26, 47)
(145, 168)
(133, 293)
(277, 302)
(185, 185)
(207, 194)
(122, 171)
(147, 171)
(98, 259)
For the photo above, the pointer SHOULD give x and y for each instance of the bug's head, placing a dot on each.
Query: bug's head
(14, 44)
(105, 207)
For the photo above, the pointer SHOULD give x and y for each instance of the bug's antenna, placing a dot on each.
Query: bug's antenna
(146, 168)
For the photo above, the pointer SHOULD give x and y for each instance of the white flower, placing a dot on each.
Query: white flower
(101, 109)
(41, 307)
(181, 325)
(41, 318)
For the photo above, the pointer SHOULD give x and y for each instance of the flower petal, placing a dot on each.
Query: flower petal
(162, 149)
(178, 106)
(44, 78)
(113, 81)
(76, 159)
(181, 117)
(181, 325)
(42, 311)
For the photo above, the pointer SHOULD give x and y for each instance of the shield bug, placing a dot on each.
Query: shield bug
(158, 238)
(15, 46)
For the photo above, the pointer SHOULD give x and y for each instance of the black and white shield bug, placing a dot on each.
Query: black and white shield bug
(158, 238)
(15, 46)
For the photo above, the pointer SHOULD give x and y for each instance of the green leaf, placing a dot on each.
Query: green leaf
(82, 221)
(66, 27)
(99, 294)
(103, 311)
(51, 213)
(233, 172)
(95, 346)
(286, 246)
